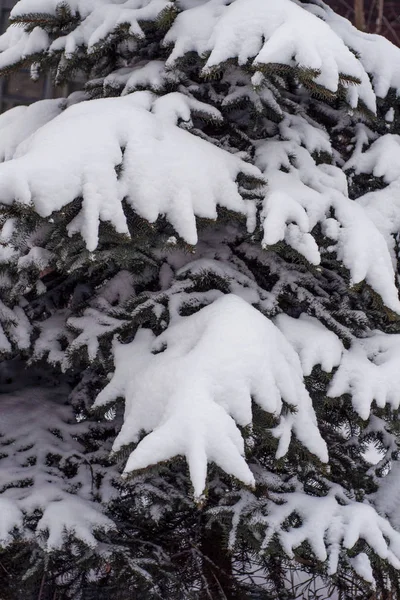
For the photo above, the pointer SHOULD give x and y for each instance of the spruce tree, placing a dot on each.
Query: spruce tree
(199, 312)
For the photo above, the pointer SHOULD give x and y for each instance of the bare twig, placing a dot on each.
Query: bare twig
(4, 569)
(42, 586)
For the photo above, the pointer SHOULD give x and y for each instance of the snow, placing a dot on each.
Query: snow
(106, 18)
(188, 391)
(382, 159)
(387, 498)
(151, 75)
(237, 282)
(362, 566)
(48, 342)
(327, 525)
(19, 123)
(83, 7)
(72, 516)
(116, 290)
(39, 258)
(369, 371)
(379, 57)
(389, 117)
(91, 326)
(189, 176)
(313, 342)
(30, 481)
(265, 32)
(301, 194)
(187, 387)
(16, 45)
(14, 323)
(152, 148)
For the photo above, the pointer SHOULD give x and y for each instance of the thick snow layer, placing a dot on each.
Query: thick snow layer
(17, 124)
(187, 387)
(382, 159)
(369, 371)
(74, 516)
(165, 170)
(31, 481)
(267, 32)
(313, 342)
(387, 498)
(15, 127)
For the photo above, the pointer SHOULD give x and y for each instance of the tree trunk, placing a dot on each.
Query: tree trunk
(217, 566)
(359, 14)
(379, 18)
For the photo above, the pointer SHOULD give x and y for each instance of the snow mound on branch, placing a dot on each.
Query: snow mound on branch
(16, 45)
(382, 159)
(362, 566)
(187, 387)
(313, 342)
(83, 7)
(268, 33)
(379, 57)
(72, 516)
(14, 328)
(237, 283)
(35, 428)
(369, 371)
(327, 526)
(51, 332)
(151, 75)
(92, 325)
(100, 19)
(17, 124)
(165, 170)
(387, 498)
(301, 194)
(106, 18)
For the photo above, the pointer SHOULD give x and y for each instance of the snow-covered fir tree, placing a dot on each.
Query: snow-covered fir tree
(199, 311)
